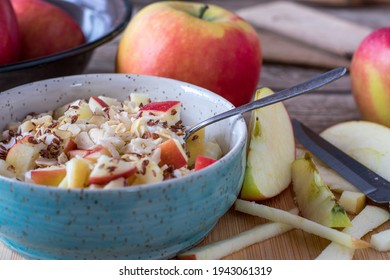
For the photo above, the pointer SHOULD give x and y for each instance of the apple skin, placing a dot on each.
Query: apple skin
(220, 52)
(45, 29)
(9, 34)
(370, 68)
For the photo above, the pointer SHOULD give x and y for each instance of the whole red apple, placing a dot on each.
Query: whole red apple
(370, 75)
(45, 29)
(9, 34)
(201, 44)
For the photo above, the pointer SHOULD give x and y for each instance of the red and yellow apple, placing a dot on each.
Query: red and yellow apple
(205, 45)
(45, 29)
(168, 111)
(370, 77)
(50, 176)
(173, 154)
(202, 162)
(9, 34)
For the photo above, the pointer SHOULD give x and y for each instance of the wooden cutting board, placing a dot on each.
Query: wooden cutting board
(297, 34)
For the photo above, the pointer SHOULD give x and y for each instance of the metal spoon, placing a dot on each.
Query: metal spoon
(293, 91)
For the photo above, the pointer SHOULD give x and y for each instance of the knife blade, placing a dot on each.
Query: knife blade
(374, 186)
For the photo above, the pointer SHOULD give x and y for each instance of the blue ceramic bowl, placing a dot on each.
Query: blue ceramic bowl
(101, 21)
(147, 222)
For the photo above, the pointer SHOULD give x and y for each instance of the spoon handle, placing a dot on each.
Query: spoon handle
(293, 91)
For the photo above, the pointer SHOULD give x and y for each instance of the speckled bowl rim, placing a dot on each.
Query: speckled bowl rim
(74, 51)
(237, 120)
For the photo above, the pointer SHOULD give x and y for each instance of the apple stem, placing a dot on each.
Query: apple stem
(203, 10)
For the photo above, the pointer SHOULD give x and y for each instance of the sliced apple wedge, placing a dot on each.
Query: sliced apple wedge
(314, 198)
(168, 111)
(365, 141)
(281, 216)
(172, 154)
(49, 176)
(108, 169)
(222, 248)
(271, 151)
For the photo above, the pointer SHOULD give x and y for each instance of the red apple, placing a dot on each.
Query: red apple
(173, 154)
(168, 111)
(9, 34)
(370, 77)
(69, 145)
(23, 153)
(202, 162)
(45, 29)
(205, 45)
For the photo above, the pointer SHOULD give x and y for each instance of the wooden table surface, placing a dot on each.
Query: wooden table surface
(320, 109)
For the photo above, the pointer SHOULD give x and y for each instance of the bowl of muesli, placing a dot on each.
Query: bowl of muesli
(96, 167)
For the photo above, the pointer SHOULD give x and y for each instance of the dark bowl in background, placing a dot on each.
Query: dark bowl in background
(101, 21)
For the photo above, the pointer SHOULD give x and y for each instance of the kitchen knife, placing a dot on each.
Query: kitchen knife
(370, 183)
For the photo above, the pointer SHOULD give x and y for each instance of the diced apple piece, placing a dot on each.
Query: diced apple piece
(271, 151)
(108, 169)
(6, 169)
(80, 108)
(77, 153)
(49, 176)
(77, 172)
(117, 183)
(212, 150)
(94, 154)
(69, 145)
(352, 202)
(96, 104)
(60, 111)
(195, 146)
(168, 111)
(109, 100)
(381, 241)
(27, 127)
(23, 154)
(152, 173)
(97, 119)
(202, 162)
(314, 198)
(281, 216)
(139, 99)
(367, 220)
(222, 248)
(173, 154)
(365, 141)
